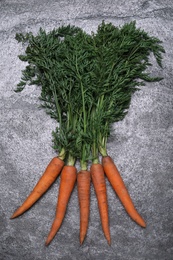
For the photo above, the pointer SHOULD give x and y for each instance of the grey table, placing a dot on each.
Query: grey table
(141, 145)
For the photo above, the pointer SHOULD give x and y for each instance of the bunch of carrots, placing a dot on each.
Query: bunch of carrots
(86, 83)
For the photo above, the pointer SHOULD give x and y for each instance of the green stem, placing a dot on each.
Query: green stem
(84, 145)
(68, 119)
(103, 141)
(83, 165)
(62, 154)
(95, 154)
(70, 160)
(84, 109)
(103, 151)
(83, 97)
(95, 161)
(57, 107)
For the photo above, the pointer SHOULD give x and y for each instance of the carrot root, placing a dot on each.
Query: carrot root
(67, 183)
(83, 185)
(98, 180)
(119, 187)
(47, 179)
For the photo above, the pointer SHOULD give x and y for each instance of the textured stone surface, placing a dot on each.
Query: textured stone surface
(141, 145)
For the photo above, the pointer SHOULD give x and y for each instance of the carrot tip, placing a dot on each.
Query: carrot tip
(81, 241)
(144, 225)
(47, 242)
(82, 237)
(141, 223)
(14, 216)
(17, 213)
(109, 241)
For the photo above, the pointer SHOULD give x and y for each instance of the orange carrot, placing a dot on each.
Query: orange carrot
(51, 173)
(83, 184)
(98, 179)
(67, 183)
(119, 187)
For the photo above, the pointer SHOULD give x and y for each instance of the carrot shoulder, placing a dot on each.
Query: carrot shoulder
(119, 187)
(49, 176)
(98, 180)
(67, 183)
(83, 185)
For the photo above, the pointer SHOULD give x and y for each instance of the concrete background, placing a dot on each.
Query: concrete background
(141, 145)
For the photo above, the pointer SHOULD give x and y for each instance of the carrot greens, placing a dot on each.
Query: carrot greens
(86, 84)
(123, 57)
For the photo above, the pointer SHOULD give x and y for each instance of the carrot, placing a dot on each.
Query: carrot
(67, 183)
(98, 179)
(51, 173)
(83, 185)
(119, 187)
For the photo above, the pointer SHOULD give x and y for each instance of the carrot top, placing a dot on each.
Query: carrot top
(87, 80)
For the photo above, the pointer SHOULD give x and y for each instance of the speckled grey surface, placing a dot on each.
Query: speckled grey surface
(141, 145)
